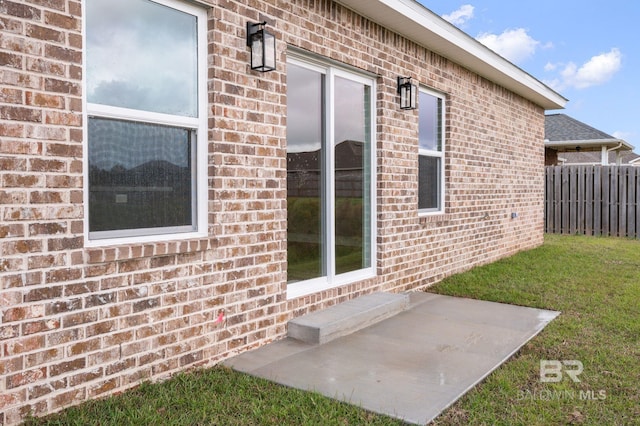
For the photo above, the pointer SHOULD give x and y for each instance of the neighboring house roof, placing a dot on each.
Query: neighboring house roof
(564, 133)
(414, 21)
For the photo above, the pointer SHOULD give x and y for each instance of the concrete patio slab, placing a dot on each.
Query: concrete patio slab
(410, 366)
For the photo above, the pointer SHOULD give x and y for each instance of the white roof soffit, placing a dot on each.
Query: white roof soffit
(414, 21)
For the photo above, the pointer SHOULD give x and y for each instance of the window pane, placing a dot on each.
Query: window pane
(140, 176)
(141, 55)
(430, 130)
(429, 182)
(352, 175)
(304, 173)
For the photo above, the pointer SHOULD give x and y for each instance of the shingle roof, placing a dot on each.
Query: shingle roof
(562, 128)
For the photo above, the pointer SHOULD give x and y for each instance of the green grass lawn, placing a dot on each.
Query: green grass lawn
(594, 282)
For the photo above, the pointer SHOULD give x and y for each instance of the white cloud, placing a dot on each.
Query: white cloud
(515, 45)
(622, 135)
(461, 16)
(597, 70)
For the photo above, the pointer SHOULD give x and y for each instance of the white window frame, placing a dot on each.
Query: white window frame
(331, 279)
(197, 125)
(436, 154)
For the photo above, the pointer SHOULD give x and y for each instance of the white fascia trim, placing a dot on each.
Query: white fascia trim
(414, 21)
(590, 143)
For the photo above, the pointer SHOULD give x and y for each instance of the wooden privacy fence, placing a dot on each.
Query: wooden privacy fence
(593, 200)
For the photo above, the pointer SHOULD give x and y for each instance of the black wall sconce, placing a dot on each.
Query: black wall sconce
(408, 93)
(263, 47)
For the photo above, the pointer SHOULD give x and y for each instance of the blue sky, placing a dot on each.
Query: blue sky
(589, 53)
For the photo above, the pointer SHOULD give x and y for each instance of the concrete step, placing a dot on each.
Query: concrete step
(343, 319)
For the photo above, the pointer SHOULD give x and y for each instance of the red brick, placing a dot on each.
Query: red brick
(63, 336)
(42, 357)
(60, 86)
(11, 60)
(44, 33)
(72, 320)
(10, 25)
(50, 228)
(9, 95)
(63, 118)
(21, 246)
(45, 261)
(64, 150)
(46, 67)
(63, 54)
(62, 275)
(57, 244)
(38, 391)
(20, 10)
(20, 114)
(19, 79)
(8, 399)
(120, 366)
(45, 133)
(84, 347)
(10, 130)
(67, 398)
(103, 387)
(101, 328)
(62, 21)
(22, 181)
(83, 287)
(9, 332)
(13, 164)
(46, 197)
(190, 358)
(22, 312)
(67, 366)
(44, 100)
(13, 197)
(26, 377)
(40, 326)
(23, 345)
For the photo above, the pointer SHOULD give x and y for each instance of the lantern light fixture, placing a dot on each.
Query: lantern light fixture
(408, 93)
(263, 47)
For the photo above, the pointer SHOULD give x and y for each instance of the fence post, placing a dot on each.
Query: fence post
(557, 198)
(597, 201)
(588, 201)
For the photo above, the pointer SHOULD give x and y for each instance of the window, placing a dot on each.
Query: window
(431, 153)
(330, 177)
(146, 119)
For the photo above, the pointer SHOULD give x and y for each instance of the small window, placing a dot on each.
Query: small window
(146, 118)
(431, 153)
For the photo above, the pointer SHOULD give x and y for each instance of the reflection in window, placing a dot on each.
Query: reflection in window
(141, 55)
(305, 136)
(428, 190)
(351, 174)
(140, 176)
(430, 176)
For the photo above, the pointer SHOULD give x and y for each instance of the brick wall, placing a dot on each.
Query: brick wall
(79, 322)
